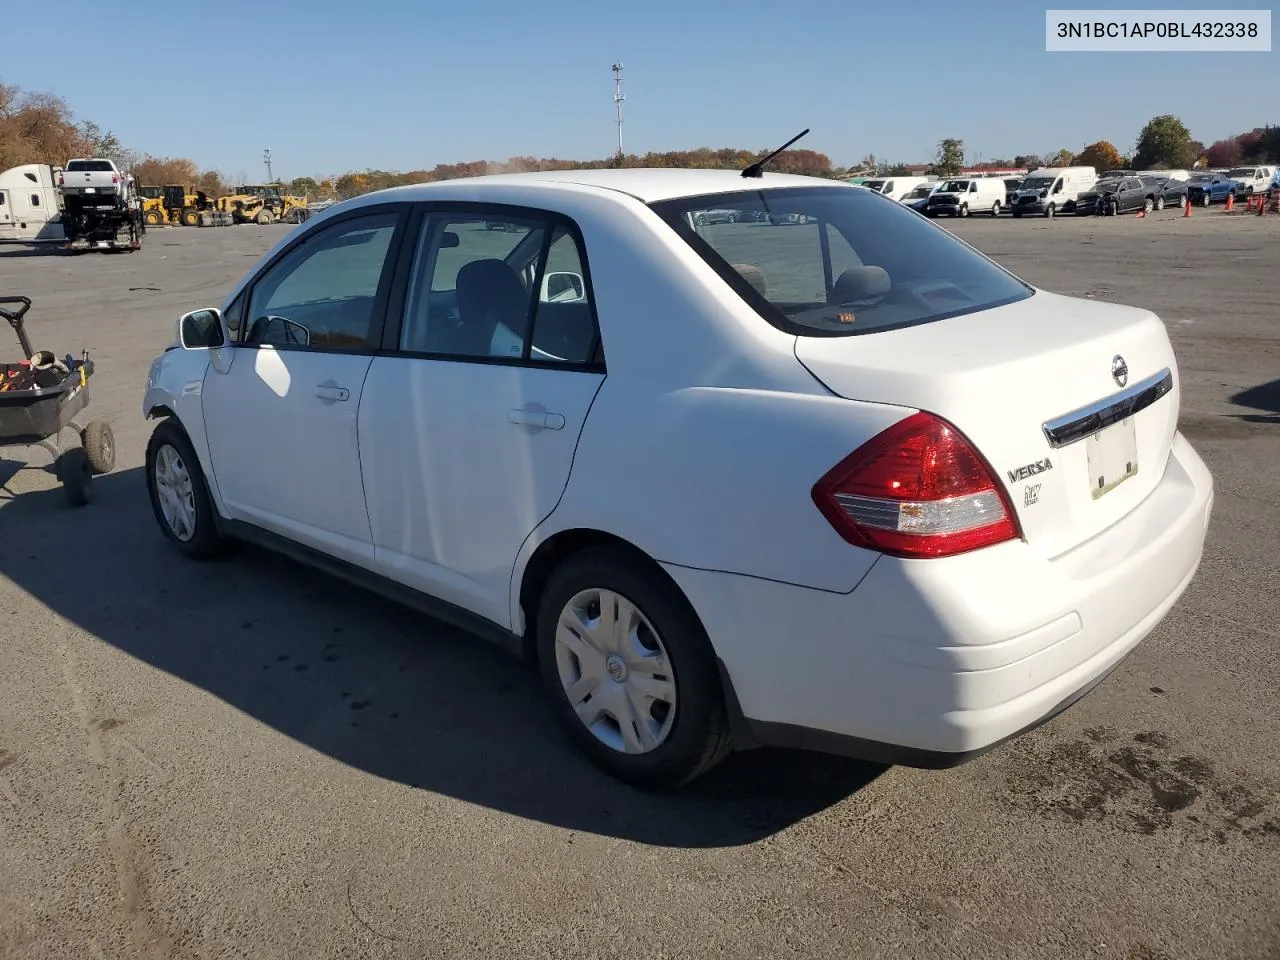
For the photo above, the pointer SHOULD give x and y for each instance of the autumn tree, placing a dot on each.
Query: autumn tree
(1062, 158)
(165, 171)
(37, 128)
(1028, 161)
(949, 160)
(1224, 153)
(1101, 156)
(1165, 139)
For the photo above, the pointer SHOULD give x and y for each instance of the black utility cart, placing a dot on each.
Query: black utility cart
(40, 397)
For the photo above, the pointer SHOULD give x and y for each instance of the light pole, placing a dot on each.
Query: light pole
(266, 158)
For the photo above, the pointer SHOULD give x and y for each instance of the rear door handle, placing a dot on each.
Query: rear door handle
(537, 418)
(327, 391)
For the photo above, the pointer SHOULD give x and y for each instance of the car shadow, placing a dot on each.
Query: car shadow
(1265, 397)
(372, 684)
(15, 253)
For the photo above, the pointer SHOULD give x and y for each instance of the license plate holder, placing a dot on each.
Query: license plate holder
(1112, 455)
(90, 189)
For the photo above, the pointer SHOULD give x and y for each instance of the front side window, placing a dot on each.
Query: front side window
(322, 293)
(835, 261)
(499, 287)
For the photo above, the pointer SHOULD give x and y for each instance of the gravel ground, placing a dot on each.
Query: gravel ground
(252, 760)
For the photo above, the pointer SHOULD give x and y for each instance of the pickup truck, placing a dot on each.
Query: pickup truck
(1251, 179)
(92, 178)
(1206, 188)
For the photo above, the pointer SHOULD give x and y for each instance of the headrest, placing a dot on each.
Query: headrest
(860, 283)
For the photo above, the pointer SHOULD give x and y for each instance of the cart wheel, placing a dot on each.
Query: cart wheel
(99, 445)
(76, 476)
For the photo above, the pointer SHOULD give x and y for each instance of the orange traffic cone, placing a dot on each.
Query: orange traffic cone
(1231, 202)
(1187, 208)
(1141, 213)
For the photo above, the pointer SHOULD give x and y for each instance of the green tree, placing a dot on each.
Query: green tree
(1062, 158)
(949, 160)
(303, 186)
(1101, 156)
(1165, 139)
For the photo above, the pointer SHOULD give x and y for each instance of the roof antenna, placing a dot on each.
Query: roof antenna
(756, 169)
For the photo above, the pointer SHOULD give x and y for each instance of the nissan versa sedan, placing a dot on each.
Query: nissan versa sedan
(847, 486)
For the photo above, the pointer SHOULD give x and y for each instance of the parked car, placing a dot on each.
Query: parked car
(918, 198)
(850, 486)
(1206, 188)
(718, 216)
(1166, 191)
(1113, 196)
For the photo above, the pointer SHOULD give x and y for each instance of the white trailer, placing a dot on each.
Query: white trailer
(31, 205)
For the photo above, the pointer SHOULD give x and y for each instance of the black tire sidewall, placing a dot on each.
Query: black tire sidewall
(206, 541)
(693, 744)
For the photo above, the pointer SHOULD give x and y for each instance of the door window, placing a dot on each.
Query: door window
(35, 199)
(509, 287)
(323, 294)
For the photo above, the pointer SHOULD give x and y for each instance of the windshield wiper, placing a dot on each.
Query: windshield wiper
(756, 170)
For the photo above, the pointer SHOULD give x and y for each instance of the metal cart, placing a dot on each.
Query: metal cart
(42, 396)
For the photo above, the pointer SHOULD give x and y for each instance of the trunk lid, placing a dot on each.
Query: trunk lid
(1001, 375)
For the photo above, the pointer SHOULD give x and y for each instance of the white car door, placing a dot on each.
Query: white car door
(281, 415)
(470, 420)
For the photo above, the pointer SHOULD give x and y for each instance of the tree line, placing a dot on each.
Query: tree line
(41, 128)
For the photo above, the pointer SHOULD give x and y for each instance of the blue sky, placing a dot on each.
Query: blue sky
(401, 84)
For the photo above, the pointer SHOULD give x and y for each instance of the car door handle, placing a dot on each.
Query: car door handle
(327, 391)
(537, 418)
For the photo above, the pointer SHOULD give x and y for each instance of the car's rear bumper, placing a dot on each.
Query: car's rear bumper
(929, 662)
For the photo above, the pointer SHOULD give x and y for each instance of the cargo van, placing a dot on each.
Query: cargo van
(30, 204)
(1053, 190)
(959, 198)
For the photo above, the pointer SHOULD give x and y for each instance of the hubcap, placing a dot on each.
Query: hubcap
(615, 671)
(175, 493)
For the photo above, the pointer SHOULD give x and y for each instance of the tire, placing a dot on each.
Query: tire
(99, 446)
(964, 210)
(995, 209)
(152, 218)
(1160, 202)
(190, 218)
(1148, 205)
(77, 476)
(687, 738)
(204, 541)
(1204, 199)
(1051, 211)
(264, 218)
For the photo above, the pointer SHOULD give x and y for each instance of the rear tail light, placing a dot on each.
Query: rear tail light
(114, 178)
(917, 489)
(61, 182)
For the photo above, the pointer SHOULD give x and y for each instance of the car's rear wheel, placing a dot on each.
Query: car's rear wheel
(1148, 205)
(995, 209)
(630, 669)
(179, 495)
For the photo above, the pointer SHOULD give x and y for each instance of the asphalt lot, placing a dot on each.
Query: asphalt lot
(249, 759)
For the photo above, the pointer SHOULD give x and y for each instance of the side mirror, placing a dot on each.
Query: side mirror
(563, 288)
(201, 329)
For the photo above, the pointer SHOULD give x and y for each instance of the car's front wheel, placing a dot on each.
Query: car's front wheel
(631, 670)
(179, 495)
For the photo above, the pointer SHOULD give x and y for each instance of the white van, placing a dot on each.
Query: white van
(1050, 190)
(895, 187)
(959, 198)
(30, 205)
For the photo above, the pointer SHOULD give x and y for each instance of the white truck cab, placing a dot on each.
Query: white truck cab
(1053, 190)
(30, 206)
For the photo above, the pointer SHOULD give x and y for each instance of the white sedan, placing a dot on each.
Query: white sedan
(847, 486)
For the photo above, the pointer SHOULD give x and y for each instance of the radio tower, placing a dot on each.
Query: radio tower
(266, 158)
(617, 104)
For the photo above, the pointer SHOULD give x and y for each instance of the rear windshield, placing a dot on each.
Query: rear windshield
(839, 261)
(90, 166)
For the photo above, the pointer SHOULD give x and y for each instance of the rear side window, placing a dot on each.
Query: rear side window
(838, 261)
(90, 166)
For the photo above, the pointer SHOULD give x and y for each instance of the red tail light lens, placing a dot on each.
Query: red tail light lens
(917, 489)
(61, 182)
(114, 178)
